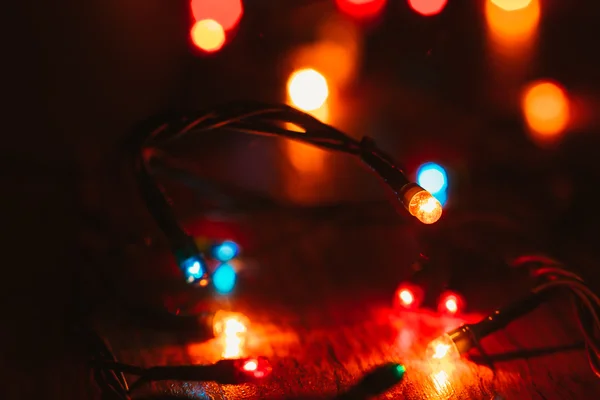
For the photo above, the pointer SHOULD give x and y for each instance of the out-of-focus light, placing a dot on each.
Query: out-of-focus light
(408, 296)
(224, 278)
(511, 5)
(257, 368)
(451, 303)
(193, 269)
(514, 25)
(427, 7)
(307, 89)
(442, 348)
(227, 324)
(361, 8)
(432, 177)
(425, 207)
(226, 12)
(233, 347)
(250, 365)
(545, 109)
(225, 251)
(208, 35)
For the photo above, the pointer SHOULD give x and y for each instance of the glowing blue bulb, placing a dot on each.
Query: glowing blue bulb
(225, 251)
(193, 268)
(432, 177)
(224, 279)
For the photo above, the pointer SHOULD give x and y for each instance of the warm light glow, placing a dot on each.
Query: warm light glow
(511, 5)
(546, 109)
(441, 383)
(226, 12)
(425, 207)
(228, 324)
(208, 35)
(361, 8)
(442, 348)
(451, 305)
(427, 7)
(256, 367)
(406, 297)
(515, 25)
(307, 89)
(250, 365)
(233, 346)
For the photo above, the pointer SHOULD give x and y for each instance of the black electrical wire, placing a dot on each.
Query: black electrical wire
(552, 276)
(248, 117)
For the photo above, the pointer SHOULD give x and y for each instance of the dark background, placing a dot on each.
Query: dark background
(80, 74)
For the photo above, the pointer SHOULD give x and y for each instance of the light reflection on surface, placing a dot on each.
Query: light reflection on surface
(442, 384)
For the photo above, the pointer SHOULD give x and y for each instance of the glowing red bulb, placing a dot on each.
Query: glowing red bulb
(427, 7)
(256, 368)
(250, 365)
(451, 303)
(361, 9)
(408, 296)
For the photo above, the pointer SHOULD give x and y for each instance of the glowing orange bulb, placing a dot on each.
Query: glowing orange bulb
(427, 7)
(442, 348)
(546, 108)
(208, 35)
(512, 25)
(511, 5)
(425, 207)
(229, 324)
(307, 89)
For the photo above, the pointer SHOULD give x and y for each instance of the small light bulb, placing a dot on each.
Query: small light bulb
(451, 303)
(256, 368)
(443, 348)
(406, 297)
(425, 207)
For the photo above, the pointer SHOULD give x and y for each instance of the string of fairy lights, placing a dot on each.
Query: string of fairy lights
(206, 263)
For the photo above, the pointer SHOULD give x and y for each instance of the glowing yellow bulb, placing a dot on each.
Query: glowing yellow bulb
(442, 348)
(307, 89)
(425, 207)
(229, 324)
(208, 35)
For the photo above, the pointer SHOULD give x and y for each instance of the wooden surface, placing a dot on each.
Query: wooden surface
(319, 296)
